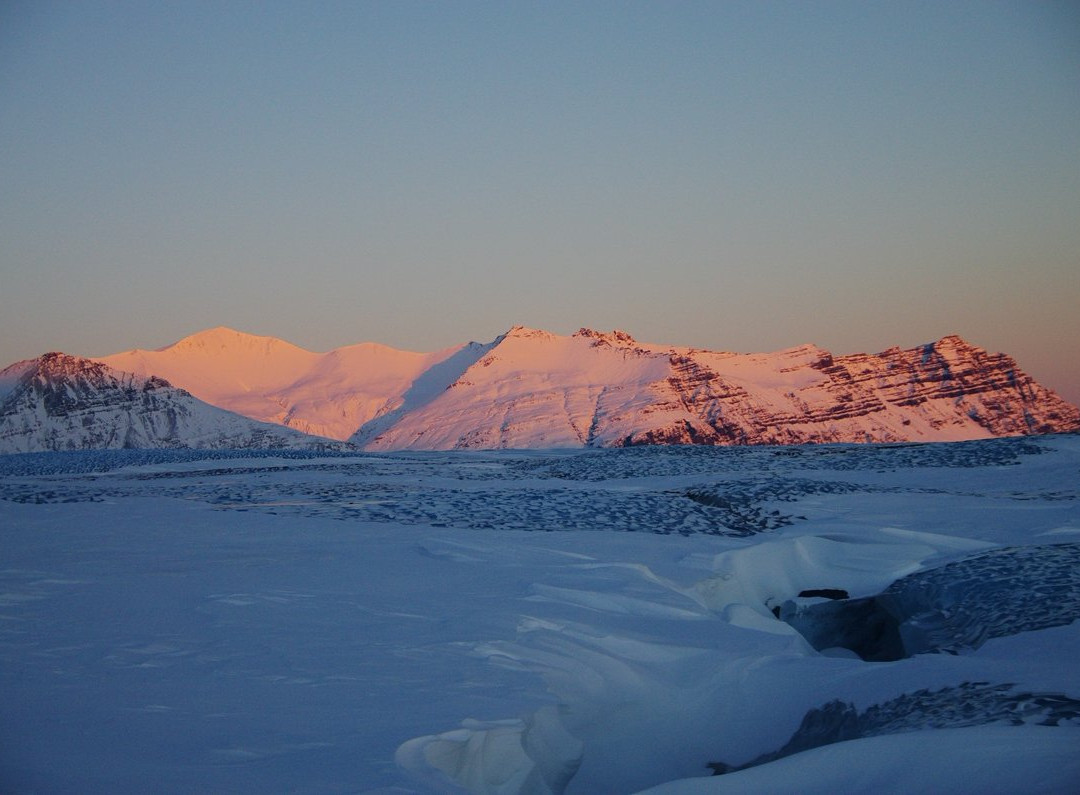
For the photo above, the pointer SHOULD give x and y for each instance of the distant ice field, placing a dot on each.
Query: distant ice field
(665, 490)
(537, 621)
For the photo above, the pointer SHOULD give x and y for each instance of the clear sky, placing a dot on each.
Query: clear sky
(736, 176)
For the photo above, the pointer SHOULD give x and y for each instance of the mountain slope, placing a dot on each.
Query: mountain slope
(62, 402)
(535, 389)
(329, 394)
(530, 388)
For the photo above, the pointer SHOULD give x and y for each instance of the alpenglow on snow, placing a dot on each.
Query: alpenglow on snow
(530, 389)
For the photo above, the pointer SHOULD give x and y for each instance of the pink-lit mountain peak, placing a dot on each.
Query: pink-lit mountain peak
(328, 394)
(532, 388)
(536, 389)
(216, 362)
(224, 340)
(64, 402)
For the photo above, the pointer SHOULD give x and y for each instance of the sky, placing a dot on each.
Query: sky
(728, 175)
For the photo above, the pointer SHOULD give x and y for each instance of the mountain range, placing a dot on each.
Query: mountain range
(526, 389)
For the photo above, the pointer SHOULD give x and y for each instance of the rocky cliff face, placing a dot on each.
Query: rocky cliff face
(62, 402)
(527, 389)
(949, 389)
(535, 389)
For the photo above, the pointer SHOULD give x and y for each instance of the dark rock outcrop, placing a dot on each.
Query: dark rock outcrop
(952, 608)
(966, 704)
(62, 402)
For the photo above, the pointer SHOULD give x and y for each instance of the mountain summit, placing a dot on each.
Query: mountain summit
(529, 388)
(535, 389)
(62, 402)
(329, 394)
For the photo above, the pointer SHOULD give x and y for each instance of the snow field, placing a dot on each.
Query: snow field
(344, 624)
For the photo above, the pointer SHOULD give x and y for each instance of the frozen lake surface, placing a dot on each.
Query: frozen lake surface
(598, 621)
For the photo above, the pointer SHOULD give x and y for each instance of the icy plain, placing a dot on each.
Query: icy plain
(589, 621)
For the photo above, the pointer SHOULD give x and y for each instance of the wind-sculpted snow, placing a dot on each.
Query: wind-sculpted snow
(953, 608)
(540, 621)
(967, 704)
(963, 604)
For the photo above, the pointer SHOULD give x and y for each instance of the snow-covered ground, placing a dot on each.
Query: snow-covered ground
(594, 622)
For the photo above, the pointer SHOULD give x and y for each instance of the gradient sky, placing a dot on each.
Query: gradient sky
(734, 176)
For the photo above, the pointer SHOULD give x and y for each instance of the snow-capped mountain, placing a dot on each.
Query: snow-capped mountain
(530, 389)
(62, 402)
(329, 394)
(535, 389)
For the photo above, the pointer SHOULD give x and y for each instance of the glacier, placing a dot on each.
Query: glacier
(573, 621)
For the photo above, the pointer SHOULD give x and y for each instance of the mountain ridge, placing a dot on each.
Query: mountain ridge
(63, 402)
(530, 388)
(606, 389)
(328, 394)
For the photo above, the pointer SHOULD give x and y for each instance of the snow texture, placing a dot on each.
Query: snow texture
(181, 620)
